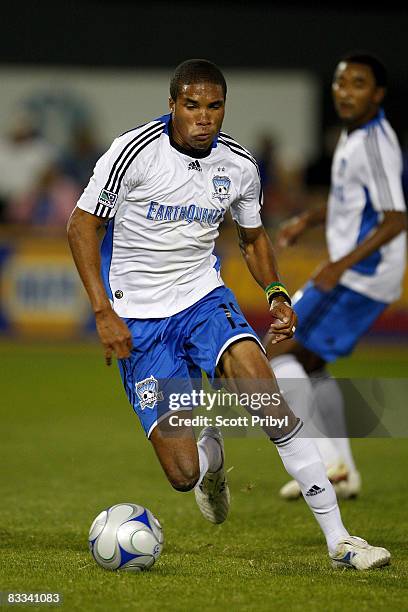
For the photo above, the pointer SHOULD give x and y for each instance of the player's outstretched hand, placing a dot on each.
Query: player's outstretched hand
(114, 335)
(285, 320)
(328, 275)
(290, 231)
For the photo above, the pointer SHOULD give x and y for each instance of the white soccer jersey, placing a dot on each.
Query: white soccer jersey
(366, 181)
(163, 209)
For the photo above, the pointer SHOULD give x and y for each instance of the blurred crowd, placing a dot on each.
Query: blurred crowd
(40, 182)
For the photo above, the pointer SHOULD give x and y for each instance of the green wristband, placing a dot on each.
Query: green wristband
(276, 289)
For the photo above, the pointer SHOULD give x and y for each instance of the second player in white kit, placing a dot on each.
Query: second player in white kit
(365, 232)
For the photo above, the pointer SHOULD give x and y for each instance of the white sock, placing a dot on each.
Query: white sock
(302, 461)
(330, 418)
(209, 456)
(297, 389)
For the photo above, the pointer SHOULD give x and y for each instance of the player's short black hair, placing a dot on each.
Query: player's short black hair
(196, 71)
(369, 59)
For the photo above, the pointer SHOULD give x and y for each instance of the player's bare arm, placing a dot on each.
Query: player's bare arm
(290, 231)
(328, 275)
(257, 250)
(83, 240)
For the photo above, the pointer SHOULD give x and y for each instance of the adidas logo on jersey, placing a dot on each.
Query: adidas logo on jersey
(195, 165)
(315, 490)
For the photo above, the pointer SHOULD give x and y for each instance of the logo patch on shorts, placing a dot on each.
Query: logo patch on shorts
(107, 198)
(148, 392)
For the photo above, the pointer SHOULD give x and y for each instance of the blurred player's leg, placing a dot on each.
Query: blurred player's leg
(330, 419)
(295, 386)
(299, 394)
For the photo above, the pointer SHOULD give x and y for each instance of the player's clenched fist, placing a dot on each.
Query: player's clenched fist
(284, 320)
(114, 334)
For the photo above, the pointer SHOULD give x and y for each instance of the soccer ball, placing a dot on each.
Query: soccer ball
(127, 537)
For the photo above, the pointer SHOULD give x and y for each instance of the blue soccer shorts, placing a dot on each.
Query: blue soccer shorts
(169, 354)
(330, 323)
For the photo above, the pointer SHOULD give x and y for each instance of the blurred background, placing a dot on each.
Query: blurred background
(74, 75)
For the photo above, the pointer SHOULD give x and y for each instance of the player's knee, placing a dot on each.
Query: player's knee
(184, 480)
(183, 484)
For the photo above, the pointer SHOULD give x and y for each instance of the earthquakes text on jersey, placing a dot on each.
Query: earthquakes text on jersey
(190, 213)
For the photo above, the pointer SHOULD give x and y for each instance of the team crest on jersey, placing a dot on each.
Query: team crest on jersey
(221, 185)
(148, 392)
(107, 198)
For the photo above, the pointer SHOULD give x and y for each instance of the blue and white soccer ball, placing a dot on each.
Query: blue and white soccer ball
(127, 537)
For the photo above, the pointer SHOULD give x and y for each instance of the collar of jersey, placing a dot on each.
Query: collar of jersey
(195, 154)
(379, 116)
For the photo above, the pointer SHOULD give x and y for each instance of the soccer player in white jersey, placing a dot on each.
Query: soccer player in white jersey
(161, 307)
(366, 236)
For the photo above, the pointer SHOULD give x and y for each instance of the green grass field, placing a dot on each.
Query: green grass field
(71, 447)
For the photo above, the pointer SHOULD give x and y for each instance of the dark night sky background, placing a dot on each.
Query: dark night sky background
(276, 35)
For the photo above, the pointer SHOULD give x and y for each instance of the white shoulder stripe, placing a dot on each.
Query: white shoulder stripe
(138, 146)
(240, 152)
(126, 151)
(119, 169)
(232, 141)
(102, 211)
(378, 171)
(138, 128)
(249, 158)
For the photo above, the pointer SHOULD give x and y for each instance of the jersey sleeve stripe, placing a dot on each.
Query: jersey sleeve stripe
(135, 152)
(380, 177)
(236, 144)
(102, 211)
(384, 175)
(234, 147)
(127, 150)
(238, 152)
(137, 127)
(377, 169)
